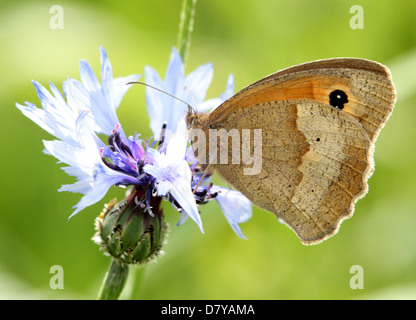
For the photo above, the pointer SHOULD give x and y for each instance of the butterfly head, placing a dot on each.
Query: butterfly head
(196, 119)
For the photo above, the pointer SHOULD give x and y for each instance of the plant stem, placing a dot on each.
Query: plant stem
(138, 276)
(114, 280)
(186, 26)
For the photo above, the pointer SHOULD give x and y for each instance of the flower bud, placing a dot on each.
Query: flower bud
(132, 230)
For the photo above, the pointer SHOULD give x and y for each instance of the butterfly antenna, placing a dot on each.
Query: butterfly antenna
(160, 90)
(190, 94)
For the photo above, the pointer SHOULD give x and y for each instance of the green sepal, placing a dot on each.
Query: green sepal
(114, 244)
(109, 221)
(156, 234)
(132, 231)
(143, 248)
(126, 211)
(108, 224)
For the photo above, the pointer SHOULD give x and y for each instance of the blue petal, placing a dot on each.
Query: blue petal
(56, 118)
(82, 186)
(120, 88)
(161, 107)
(45, 97)
(88, 77)
(182, 193)
(106, 72)
(155, 101)
(163, 188)
(56, 93)
(102, 183)
(182, 218)
(235, 206)
(175, 73)
(211, 104)
(198, 83)
(38, 116)
(154, 171)
(76, 95)
(74, 156)
(229, 90)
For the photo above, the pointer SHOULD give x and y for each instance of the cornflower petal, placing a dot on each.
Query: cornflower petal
(235, 206)
(102, 182)
(88, 78)
(197, 84)
(120, 88)
(229, 90)
(212, 104)
(173, 175)
(163, 109)
(56, 117)
(154, 100)
(182, 193)
(175, 73)
(104, 99)
(106, 74)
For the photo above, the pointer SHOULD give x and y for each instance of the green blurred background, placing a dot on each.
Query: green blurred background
(250, 39)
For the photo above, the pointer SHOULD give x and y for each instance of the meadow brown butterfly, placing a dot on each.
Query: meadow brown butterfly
(318, 122)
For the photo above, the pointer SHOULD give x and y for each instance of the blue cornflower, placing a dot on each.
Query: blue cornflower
(191, 89)
(164, 168)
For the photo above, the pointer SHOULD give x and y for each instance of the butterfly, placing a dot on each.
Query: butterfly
(318, 123)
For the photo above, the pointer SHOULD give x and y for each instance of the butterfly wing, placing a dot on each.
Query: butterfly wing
(314, 166)
(317, 149)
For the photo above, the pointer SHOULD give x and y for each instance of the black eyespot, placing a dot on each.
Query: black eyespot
(338, 98)
(318, 139)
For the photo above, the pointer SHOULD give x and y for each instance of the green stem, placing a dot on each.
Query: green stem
(136, 290)
(114, 280)
(186, 26)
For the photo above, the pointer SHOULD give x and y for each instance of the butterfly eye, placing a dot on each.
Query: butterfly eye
(191, 118)
(337, 99)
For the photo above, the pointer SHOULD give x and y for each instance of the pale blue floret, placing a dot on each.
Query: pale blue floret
(235, 207)
(172, 174)
(88, 107)
(192, 89)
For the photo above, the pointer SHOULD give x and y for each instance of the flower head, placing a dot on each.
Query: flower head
(164, 168)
